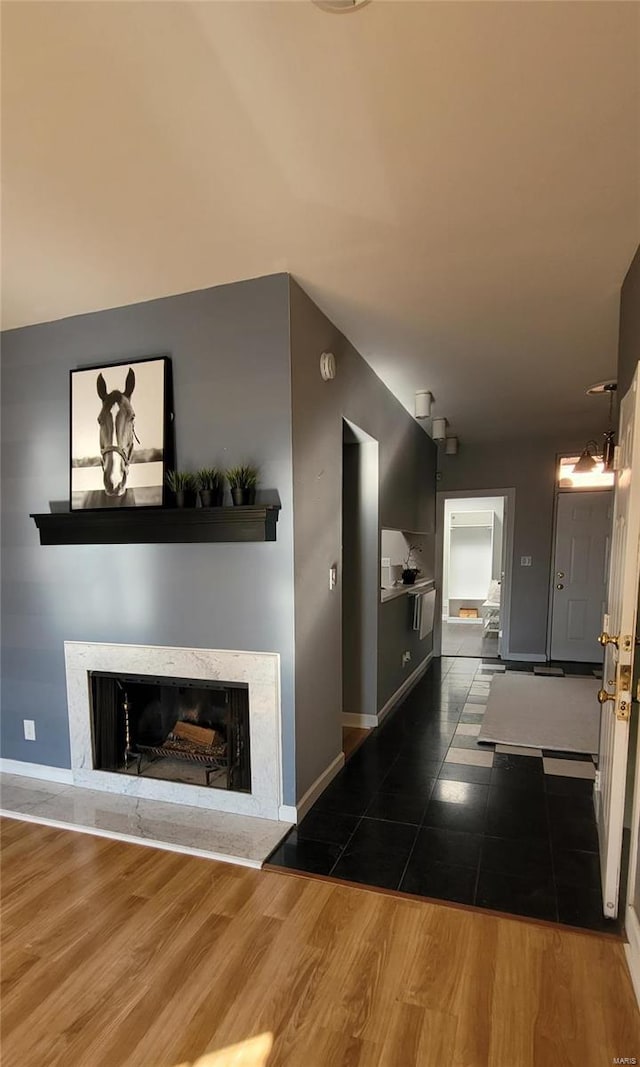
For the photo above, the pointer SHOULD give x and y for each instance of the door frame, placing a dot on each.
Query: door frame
(507, 553)
(562, 491)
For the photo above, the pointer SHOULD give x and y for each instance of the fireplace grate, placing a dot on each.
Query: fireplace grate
(142, 722)
(217, 755)
(208, 762)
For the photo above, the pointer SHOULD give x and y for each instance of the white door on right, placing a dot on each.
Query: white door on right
(581, 564)
(620, 637)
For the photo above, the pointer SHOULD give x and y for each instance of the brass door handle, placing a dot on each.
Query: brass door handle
(605, 640)
(604, 696)
(559, 585)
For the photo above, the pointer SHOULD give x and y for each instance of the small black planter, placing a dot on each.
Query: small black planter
(409, 576)
(243, 496)
(185, 498)
(211, 498)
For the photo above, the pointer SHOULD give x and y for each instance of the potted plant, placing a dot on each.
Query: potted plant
(409, 570)
(183, 485)
(210, 482)
(242, 482)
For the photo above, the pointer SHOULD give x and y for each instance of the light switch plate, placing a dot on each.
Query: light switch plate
(29, 729)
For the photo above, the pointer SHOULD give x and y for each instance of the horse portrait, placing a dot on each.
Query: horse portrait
(121, 463)
(117, 433)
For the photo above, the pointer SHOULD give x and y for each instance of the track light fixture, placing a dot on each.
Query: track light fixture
(439, 429)
(423, 402)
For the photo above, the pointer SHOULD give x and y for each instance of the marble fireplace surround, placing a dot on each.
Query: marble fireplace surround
(259, 670)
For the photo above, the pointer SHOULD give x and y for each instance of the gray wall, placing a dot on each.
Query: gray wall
(230, 356)
(629, 345)
(407, 502)
(397, 636)
(530, 468)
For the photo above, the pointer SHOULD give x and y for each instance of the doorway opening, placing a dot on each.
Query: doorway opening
(360, 584)
(474, 555)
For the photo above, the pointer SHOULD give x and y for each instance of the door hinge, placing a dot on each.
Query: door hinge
(617, 458)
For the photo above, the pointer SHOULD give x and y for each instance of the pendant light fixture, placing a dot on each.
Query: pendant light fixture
(607, 388)
(587, 462)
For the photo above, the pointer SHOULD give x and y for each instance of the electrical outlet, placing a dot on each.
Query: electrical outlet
(386, 561)
(406, 656)
(29, 729)
(525, 561)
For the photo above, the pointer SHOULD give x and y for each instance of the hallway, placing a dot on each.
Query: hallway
(423, 808)
(468, 639)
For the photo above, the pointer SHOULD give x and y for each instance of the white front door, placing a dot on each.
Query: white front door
(620, 625)
(581, 564)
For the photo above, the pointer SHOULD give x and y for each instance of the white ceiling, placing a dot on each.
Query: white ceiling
(456, 184)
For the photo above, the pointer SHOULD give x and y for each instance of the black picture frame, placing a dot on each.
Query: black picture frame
(120, 434)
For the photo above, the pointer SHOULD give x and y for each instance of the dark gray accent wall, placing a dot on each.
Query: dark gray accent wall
(530, 468)
(229, 348)
(397, 636)
(629, 343)
(406, 502)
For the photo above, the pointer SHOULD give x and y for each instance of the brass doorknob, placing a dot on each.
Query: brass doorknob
(559, 585)
(604, 696)
(605, 640)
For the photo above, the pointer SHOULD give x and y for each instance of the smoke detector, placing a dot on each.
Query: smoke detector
(340, 6)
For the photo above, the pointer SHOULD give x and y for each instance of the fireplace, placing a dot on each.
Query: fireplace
(174, 729)
(204, 725)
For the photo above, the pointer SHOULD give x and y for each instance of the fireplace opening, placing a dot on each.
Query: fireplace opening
(175, 729)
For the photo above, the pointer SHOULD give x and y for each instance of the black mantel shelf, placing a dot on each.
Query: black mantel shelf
(137, 526)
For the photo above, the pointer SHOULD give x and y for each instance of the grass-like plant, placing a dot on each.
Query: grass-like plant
(243, 477)
(181, 481)
(210, 478)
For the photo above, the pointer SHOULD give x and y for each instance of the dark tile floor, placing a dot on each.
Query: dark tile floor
(412, 811)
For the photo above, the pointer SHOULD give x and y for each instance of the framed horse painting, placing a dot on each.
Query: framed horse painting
(120, 434)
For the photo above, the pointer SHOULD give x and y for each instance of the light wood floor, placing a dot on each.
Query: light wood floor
(116, 954)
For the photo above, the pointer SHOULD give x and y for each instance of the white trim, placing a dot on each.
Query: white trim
(287, 813)
(322, 781)
(37, 770)
(528, 657)
(508, 532)
(364, 722)
(404, 688)
(260, 671)
(131, 839)
(632, 949)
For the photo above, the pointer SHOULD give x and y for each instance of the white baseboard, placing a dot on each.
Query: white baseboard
(363, 722)
(287, 813)
(527, 657)
(404, 688)
(318, 787)
(37, 770)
